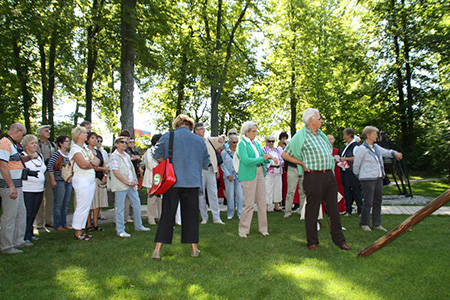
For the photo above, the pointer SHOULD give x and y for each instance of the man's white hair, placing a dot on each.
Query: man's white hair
(308, 114)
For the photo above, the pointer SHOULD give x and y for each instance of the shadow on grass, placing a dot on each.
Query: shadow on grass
(275, 267)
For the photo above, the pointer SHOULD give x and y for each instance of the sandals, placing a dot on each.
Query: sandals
(98, 228)
(94, 228)
(83, 237)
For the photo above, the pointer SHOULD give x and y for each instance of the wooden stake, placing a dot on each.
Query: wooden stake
(406, 225)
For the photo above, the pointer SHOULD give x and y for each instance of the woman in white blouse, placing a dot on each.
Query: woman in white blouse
(33, 187)
(84, 162)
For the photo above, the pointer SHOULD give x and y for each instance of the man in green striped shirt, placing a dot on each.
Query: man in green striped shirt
(312, 152)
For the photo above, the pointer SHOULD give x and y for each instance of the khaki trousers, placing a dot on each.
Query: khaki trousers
(254, 190)
(45, 212)
(154, 205)
(293, 179)
(14, 219)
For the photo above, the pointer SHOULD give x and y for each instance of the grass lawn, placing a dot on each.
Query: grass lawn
(415, 266)
(426, 189)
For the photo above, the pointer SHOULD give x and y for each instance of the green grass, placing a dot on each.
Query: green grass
(431, 189)
(415, 266)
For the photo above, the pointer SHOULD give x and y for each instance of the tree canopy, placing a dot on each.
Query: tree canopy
(372, 62)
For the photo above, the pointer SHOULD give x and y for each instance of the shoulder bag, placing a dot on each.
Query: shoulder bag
(163, 174)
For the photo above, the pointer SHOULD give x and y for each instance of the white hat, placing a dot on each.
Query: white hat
(42, 127)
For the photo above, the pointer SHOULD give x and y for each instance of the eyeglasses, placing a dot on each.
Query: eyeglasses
(233, 142)
(100, 141)
(131, 142)
(122, 142)
(318, 118)
(271, 141)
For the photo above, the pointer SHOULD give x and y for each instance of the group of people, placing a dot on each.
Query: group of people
(251, 174)
(38, 176)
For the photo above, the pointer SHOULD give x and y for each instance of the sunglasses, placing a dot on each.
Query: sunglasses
(123, 142)
(100, 141)
(271, 141)
(234, 142)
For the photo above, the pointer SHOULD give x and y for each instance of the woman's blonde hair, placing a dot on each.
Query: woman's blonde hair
(368, 130)
(28, 138)
(183, 120)
(76, 132)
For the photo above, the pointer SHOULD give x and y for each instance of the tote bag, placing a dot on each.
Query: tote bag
(163, 174)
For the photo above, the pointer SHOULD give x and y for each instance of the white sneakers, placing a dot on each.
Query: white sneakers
(365, 228)
(143, 229)
(380, 228)
(219, 222)
(124, 234)
(12, 251)
(204, 222)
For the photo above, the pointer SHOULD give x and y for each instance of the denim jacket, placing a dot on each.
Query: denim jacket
(190, 156)
(227, 166)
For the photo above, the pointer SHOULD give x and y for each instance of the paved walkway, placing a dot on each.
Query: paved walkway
(385, 210)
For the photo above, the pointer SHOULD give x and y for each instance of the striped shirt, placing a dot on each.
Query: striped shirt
(8, 153)
(316, 152)
(52, 161)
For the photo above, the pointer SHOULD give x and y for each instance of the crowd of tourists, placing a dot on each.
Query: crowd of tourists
(304, 175)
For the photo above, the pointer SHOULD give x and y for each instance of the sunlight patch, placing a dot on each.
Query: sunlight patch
(75, 281)
(312, 274)
(196, 292)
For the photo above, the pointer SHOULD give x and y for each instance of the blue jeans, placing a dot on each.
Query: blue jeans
(235, 196)
(61, 198)
(120, 209)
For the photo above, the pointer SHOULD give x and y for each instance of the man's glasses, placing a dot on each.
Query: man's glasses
(233, 142)
(271, 141)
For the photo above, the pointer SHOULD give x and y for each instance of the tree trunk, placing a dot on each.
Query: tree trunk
(92, 33)
(44, 83)
(406, 225)
(409, 134)
(128, 37)
(293, 103)
(51, 81)
(401, 108)
(219, 78)
(23, 79)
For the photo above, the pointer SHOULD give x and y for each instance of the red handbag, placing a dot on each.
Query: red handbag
(163, 174)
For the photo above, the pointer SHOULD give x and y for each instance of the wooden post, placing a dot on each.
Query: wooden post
(406, 225)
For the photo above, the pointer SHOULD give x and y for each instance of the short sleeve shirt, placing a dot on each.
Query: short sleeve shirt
(316, 152)
(9, 153)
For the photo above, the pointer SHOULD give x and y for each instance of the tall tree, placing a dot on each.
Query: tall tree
(128, 37)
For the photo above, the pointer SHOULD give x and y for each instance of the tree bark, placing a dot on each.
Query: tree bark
(128, 37)
(22, 75)
(51, 81)
(406, 225)
(92, 33)
(409, 137)
(44, 81)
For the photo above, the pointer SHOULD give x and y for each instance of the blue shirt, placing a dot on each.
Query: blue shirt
(190, 156)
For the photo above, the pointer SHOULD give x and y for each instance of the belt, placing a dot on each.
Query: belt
(316, 171)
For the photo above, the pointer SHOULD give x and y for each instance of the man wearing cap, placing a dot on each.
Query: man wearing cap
(312, 152)
(210, 177)
(231, 132)
(14, 217)
(46, 149)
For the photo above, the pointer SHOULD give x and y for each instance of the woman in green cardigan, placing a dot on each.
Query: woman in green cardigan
(252, 171)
